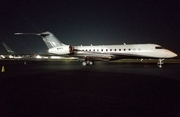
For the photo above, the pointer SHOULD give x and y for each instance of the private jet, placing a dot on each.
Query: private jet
(88, 54)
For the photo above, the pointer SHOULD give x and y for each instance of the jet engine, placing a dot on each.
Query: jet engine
(62, 50)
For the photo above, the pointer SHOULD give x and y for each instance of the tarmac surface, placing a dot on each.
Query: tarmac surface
(65, 88)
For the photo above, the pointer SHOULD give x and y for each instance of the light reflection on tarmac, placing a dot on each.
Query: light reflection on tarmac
(168, 70)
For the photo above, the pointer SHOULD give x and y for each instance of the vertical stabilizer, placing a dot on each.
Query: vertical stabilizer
(50, 40)
(9, 50)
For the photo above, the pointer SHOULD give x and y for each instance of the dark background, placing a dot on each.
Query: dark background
(83, 22)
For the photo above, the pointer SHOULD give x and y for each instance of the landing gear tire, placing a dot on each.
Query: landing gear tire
(85, 63)
(160, 66)
(91, 62)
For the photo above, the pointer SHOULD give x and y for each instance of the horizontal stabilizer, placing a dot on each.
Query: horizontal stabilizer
(38, 34)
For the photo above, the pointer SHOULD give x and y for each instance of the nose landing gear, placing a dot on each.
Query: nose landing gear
(160, 62)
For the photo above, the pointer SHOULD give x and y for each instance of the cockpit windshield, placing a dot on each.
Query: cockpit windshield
(159, 47)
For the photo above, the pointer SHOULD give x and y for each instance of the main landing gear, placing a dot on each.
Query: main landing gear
(87, 62)
(160, 62)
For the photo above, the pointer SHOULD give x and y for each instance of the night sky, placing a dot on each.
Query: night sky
(85, 22)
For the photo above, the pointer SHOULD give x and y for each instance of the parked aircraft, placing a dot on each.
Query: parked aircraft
(89, 54)
(12, 54)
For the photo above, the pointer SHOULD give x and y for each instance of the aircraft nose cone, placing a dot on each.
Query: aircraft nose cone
(170, 54)
(174, 54)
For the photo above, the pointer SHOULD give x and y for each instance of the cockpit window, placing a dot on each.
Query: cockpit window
(159, 47)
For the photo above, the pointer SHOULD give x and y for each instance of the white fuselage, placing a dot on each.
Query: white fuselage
(140, 50)
(144, 50)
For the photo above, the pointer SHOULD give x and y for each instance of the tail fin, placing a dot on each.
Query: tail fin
(9, 50)
(49, 39)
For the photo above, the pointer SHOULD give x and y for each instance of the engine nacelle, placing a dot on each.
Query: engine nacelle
(62, 50)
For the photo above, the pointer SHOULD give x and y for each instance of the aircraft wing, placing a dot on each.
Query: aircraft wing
(93, 55)
(86, 55)
(102, 56)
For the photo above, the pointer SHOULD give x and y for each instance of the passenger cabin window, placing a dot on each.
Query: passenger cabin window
(59, 48)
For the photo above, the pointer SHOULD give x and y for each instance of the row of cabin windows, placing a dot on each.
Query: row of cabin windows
(110, 49)
(118, 49)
